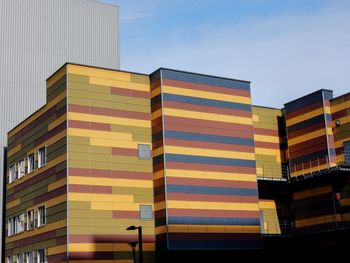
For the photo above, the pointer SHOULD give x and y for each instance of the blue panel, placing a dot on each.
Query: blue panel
(207, 138)
(195, 189)
(214, 244)
(213, 221)
(309, 122)
(304, 101)
(208, 160)
(204, 79)
(207, 102)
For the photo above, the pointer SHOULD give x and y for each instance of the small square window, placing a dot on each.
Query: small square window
(337, 123)
(146, 212)
(41, 256)
(144, 151)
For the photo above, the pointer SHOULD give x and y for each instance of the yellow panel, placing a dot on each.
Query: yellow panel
(116, 143)
(101, 197)
(56, 250)
(109, 182)
(309, 136)
(100, 134)
(37, 114)
(55, 201)
(207, 116)
(56, 76)
(255, 118)
(156, 114)
(57, 184)
(317, 220)
(108, 119)
(206, 94)
(14, 150)
(209, 152)
(266, 138)
(157, 151)
(314, 169)
(57, 122)
(116, 206)
(267, 204)
(90, 247)
(119, 84)
(13, 203)
(155, 92)
(103, 73)
(345, 202)
(306, 116)
(341, 106)
(312, 192)
(213, 205)
(211, 175)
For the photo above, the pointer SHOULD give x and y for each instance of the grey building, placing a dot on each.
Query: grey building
(39, 36)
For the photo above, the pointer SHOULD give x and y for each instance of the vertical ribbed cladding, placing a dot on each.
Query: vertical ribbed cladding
(158, 161)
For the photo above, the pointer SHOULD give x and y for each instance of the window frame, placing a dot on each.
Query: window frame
(139, 150)
(29, 169)
(12, 173)
(29, 225)
(40, 162)
(28, 257)
(20, 174)
(38, 257)
(40, 224)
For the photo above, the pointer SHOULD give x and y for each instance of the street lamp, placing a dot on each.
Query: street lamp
(133, 245)
(139, 228)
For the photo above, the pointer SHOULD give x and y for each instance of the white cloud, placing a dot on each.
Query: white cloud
(285, 56)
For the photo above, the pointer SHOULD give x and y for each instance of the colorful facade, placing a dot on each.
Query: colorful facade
(184, 155)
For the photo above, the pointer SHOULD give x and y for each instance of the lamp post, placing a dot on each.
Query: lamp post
(139, 228)
(133, 245)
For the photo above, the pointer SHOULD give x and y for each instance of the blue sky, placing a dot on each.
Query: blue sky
(285, 48)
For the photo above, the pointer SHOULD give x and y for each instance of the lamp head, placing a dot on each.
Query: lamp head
(131, 228)
(132, 244)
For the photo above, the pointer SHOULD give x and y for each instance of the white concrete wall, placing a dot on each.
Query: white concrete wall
(39, 36)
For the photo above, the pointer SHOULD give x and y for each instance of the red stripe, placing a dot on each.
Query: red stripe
(210, 167)
(124, 151)
(94, 189)
(307, 129)
(269, 145)
(89, 125)
(209, 109)
(303, 110)
(308, 144)
(232, 127)
(212, 213)
(211, 182)
(209, 130)
(109, 112)
(209, 145)
(111, 238)
(126, 215)
(212, 198)
(110, 174)
(268, 132)
(131, 93)
(205, 87)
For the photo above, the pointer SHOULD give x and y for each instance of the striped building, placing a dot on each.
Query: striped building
(183, 155)
(205, 180)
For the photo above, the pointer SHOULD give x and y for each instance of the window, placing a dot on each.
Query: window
(20, 258)
(11, 226)
(146, 212)
(30, 257)
(144, 151)
(41, 256)
(30, 219)
(21, 168)
(41, 216)
(42, 156)
(10, 259)
(19, 223)
(12, 173)
(31, 163)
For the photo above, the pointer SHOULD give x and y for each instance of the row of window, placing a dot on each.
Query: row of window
(38, 256)
(18, 170)
(15, 225)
